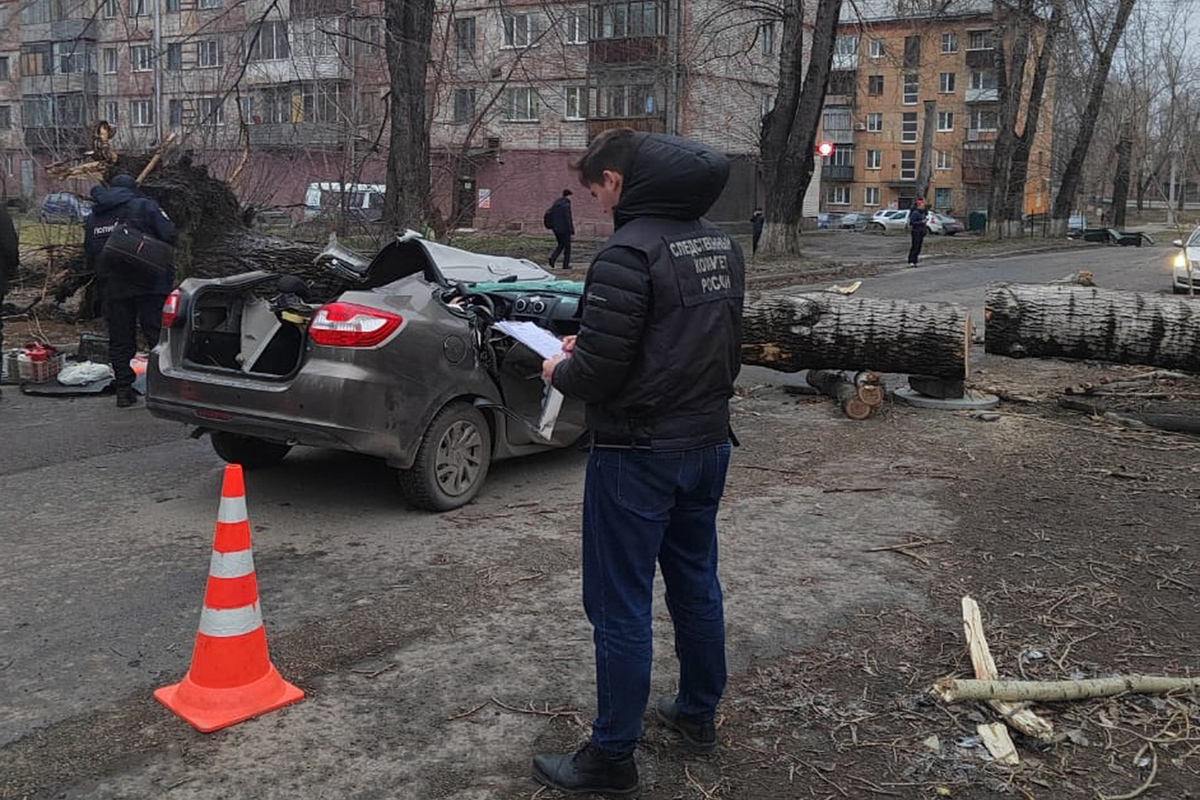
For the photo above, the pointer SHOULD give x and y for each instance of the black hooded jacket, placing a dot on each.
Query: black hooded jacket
(10, 256)
(560, 217)
(121, 202)
(659, 344)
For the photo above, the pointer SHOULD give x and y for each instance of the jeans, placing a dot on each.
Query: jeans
(918, 239)
(640, 507)
(125, 316)
(564, 247)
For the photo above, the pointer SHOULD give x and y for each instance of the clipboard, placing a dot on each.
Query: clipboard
(546, 345)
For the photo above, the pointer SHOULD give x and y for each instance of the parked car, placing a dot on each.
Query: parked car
(360, 201)
(64, 207)
(889, 220)
(827, 219)
(1189, 252)
(1076, 223)
(398, 358)
(944, 224)
(855, 220)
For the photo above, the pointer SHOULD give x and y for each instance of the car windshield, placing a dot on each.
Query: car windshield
(1194, 239)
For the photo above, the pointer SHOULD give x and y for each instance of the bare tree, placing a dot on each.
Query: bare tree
(790, 129)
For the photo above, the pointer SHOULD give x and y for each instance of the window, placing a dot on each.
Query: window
(5, 74)
(766, 35)
(949, 42)
(874, 159)
(269, 42)
(319, 102)
(108, 9)
(838, 196)
(943, 160)
(983, 79)
(837, 124)
(945, 121)
(946, 83)
(621, 20)
(576, 23)
(140, 58)
(316, 37)
(875, 84)
(110, 60)
(212, 111)
(912, 51)
(615, 102)
(464, 36)
(871, 196)
(842, 156)
(142, 112)
(941, 198)
(175, 109)
(908, 165)
(137, 8)
(35, 11)
(464, 106)
(37, 59)
(246, 108)
(983, 119)
(208, 54)
(845, 45)
(277, 106)
(908, 128)
(173, 8)
(209, 3)
(979, 40)
(875, 122)
(519, 30)
(912, 88)
(5, 118)
(576, 102)
(520, 104)
(112, 113)
(175, 56)
(877, 48)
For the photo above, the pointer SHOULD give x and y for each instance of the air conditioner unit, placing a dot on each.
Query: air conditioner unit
(860, 126)
(972, 135)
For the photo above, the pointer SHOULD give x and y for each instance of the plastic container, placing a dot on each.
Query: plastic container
(39, 363)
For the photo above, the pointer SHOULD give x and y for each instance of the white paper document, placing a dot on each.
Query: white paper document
(536, 338)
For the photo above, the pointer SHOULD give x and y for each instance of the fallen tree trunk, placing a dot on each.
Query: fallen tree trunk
(1062, 321)
(827, 330)
(834, 385)
(1174, 423)
(953, 690)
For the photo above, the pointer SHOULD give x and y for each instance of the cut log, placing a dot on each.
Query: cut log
(870, 388)
(1063, 321)
(997, 741)
(845, 392)
(940, 388)
(825, 330)
(1019, 717)
(953, 690)
(1175, 423)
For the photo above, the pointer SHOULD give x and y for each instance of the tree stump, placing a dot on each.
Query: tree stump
(826, 330)
(1063, 321)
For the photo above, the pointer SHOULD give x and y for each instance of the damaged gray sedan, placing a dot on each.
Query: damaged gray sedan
(397, 358)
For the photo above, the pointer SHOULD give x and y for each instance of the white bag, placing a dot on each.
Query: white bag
(84, 373)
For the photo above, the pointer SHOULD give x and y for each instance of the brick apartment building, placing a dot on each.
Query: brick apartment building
(517, 87)
(888, 61)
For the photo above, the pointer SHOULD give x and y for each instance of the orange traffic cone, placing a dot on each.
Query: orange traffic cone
(231, 678)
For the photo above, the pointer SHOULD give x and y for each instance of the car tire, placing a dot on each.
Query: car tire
(1180, 289)
(875, 226)
(452, 462)
(250, 452)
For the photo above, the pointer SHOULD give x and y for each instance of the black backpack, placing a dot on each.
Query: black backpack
(548, 218)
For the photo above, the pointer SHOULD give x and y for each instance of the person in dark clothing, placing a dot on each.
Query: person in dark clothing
(559, 220)
(757, 220)
(918, 226)
(133, 298)
(10, 259)
(658, 350)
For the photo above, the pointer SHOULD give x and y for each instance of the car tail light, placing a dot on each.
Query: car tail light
(348, 325)
(170, 311)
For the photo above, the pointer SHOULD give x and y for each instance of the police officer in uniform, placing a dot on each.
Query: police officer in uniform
(658, 350)
(132, 297)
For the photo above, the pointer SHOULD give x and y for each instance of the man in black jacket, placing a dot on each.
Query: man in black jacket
(918, 226)
(10, 259)
(563, 225)
(133, 296)
(658, 349)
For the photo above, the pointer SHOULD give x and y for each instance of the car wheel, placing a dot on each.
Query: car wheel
(1180, 289)
(452, 461)
(875, 226)
(248, 451)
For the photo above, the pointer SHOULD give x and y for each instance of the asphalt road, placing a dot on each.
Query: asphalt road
(106, 519)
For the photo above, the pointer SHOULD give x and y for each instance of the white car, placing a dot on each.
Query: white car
(889, 220)
(1188, 251)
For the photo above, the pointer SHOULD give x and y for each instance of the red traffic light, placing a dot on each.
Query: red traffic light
(825, 149)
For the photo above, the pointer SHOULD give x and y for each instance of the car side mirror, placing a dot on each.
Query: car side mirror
(1178, 243)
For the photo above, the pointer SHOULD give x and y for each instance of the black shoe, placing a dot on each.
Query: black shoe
(126, 398)
(698, 737)
(588, 770)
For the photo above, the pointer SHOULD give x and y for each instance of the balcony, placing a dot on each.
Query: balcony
(981, 59)
(595, 127)
(839, 99)
(57, 138)
(976, 173)
(837, 172)
(296, 134)
(303, 9)
(981, 135)
(901, 182)
(297, 68)
(619, 52)
(70, 83)
(845, 60)
(838, 135)
(982, 95)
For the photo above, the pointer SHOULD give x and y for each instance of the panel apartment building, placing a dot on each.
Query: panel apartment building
(517, 89)
(888, 61)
